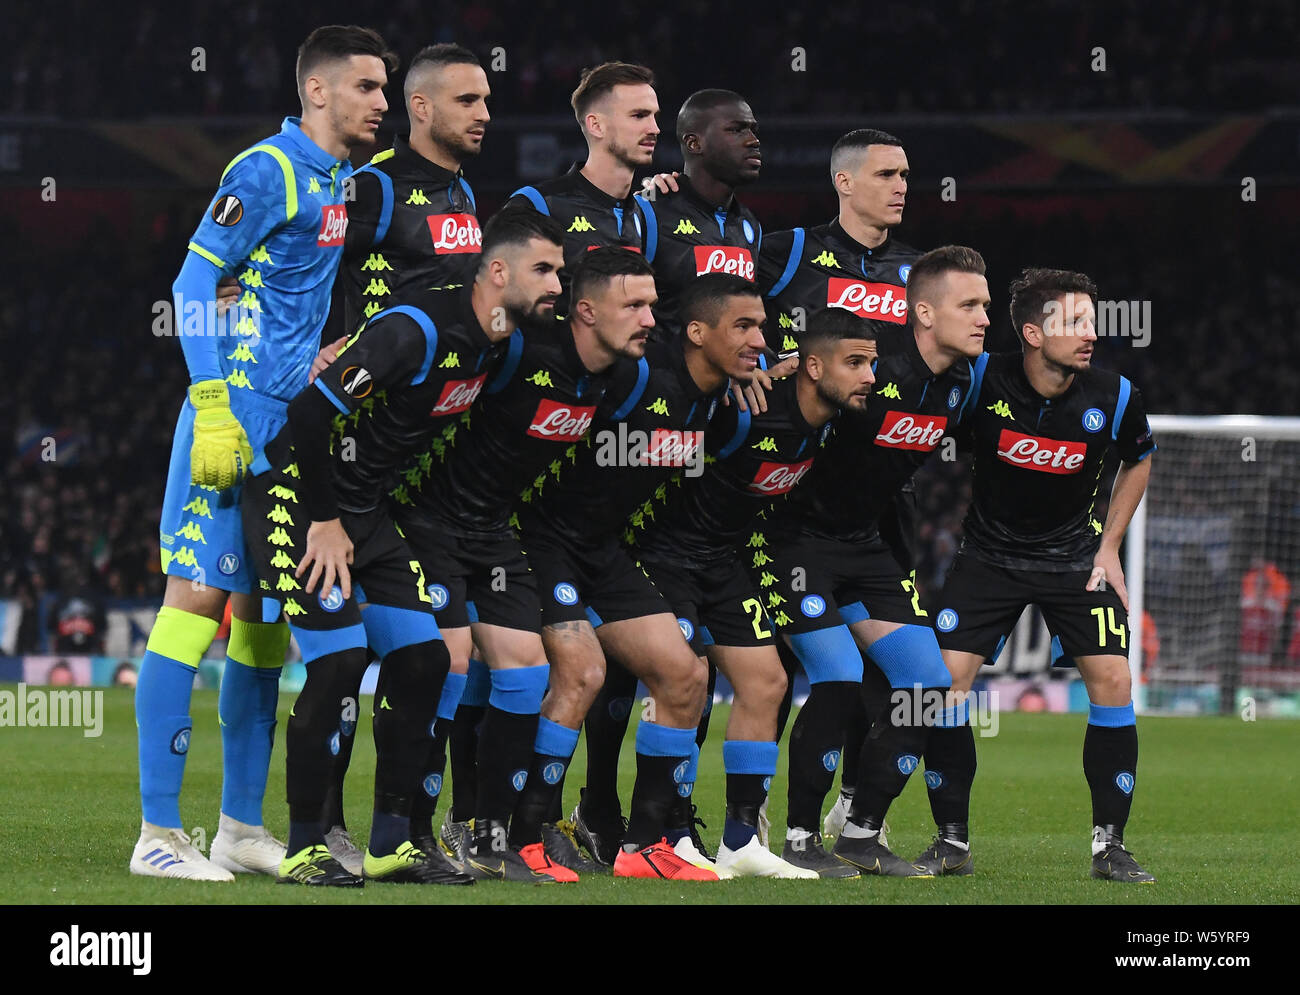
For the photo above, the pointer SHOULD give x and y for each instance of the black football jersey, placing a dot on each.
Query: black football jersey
(807, 269)
(756, 458)
(411, 228)
(1037, 463)
(686, 237)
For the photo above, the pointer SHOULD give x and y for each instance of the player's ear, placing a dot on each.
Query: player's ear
(314, 89)
(593, 125)
(585, 310)
(1032, 334)
(843, 183)
(923, 314)
(812, 363)
(695, 332)
(418, 107)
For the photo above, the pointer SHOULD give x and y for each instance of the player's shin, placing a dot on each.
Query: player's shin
(162, 705)
(246, 707)
(1110, 753)
(326, 705)
(606, 726)
(425, 803)
(950, 772)
(750, 766)
(663, 762)
(552, 751)
(463, 741)
(506, 748)
(406, 696)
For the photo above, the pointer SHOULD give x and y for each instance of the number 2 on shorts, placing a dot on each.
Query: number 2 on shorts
(756, 606)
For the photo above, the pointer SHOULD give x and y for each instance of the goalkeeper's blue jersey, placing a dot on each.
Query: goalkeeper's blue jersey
(277, 223)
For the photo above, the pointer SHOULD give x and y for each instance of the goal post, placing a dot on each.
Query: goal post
(1212, 562)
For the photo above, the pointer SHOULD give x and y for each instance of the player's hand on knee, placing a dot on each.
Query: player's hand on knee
(1106, 569)
(220, 454)
(329, 552)
(325, 357)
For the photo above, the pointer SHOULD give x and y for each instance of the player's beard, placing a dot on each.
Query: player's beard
(353, 134)
(831, 395)
(454, 143)
(625, 155)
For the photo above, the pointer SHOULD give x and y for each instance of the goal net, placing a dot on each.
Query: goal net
(1213, 568)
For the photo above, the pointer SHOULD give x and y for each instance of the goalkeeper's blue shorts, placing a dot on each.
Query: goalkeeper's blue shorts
(201, 537)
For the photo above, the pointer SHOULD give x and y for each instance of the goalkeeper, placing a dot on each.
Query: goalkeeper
(277, 222)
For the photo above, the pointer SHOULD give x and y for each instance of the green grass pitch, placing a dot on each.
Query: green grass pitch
(1214, 819)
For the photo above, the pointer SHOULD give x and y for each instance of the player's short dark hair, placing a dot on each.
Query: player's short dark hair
(437, 56)
(515, 225)
(696, 108)
(938, 263)
(706, 297)
(854, 144)
(340, 41)
(599, 266)
(834, 324)
(602, 79)
(1036, 286)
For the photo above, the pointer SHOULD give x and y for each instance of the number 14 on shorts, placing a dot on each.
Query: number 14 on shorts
(1106, 621)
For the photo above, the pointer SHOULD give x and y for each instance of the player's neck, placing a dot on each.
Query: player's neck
(936, 357)
(872, 236)
(1048, 379)
(816, 410)
(706, 377)
(316, 130)
(607, 174)
(486, 305)
(423, 145)
(596, 356)
(708, 186)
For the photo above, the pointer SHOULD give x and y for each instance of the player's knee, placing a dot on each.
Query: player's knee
(1113, 686)
(767, 688)
(681, 683)
(588, 677)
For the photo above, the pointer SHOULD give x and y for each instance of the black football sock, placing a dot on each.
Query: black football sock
(950, 772)
(663, 760)
(606, 726)
(505, 749)
(815, 750)
(552, 751)
(791, 665)
(889, 755)
(425, 804)
(325, 706)
(1110, 753)
(463, 742)
(702, 730)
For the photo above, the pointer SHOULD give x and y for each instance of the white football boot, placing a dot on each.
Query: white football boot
(244, 849)
(753, 860)
(168, 853)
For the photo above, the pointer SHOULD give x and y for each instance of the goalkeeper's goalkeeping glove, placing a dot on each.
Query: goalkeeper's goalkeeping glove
(220, 454)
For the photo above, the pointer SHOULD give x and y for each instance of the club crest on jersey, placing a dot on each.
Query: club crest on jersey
(1045, 455)
(227, 211)
(733, 259)
(1094, 420)
(455, 233)
(747, 228)
(565, 593)
(946, 620)
(458, 396)
(904, 271)
(954, 397)
(772, 479)
(881, 301)
(356, 382)
(560, 422)
(438, 596)
(332, 600)
(813, 606)
(333, 224)
(920, 433)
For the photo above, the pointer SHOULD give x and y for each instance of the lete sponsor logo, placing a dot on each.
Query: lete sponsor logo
(455, 233)
(724, 259)
(903, 431)
(333, 224)
(1045, 455)
(560, 422)
(882, 301)
(777, 478)
(458, 395)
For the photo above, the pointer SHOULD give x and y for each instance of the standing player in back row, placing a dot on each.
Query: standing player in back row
(278, 221)
(412, 228)
(1045, 425)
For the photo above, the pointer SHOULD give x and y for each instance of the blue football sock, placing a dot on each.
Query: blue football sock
(250, 688)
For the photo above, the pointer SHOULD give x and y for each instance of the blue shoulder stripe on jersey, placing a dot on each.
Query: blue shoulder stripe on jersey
(758, 242)
(618, 220)
(791, 264)
(534, 195)
(469, 192)
(738, 440)
(330, 394)
(509, 364)
(976, 382)
(1125, 389)
(651, 227)
(385, 202)
(762, 361)
(642, 375)
(430, 337)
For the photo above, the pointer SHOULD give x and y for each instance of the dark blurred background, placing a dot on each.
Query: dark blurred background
(1172, 177)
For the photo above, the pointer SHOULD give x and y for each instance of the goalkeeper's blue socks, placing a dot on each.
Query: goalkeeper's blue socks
(162, 706)
(249, 690)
